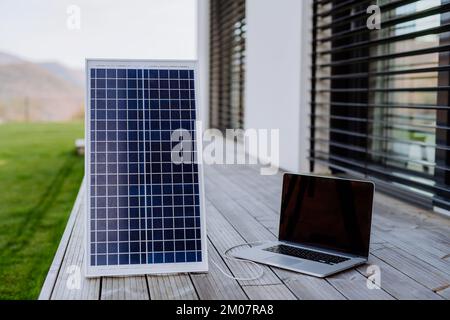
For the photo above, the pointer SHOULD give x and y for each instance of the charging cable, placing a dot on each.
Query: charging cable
(231, 258)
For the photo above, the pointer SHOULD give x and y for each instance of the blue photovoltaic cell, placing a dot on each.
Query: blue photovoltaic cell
(144, 209)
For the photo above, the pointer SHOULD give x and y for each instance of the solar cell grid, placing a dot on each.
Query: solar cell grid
(144, 209)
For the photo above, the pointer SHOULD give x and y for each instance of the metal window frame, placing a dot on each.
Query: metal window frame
(348, 96)
(227, 64)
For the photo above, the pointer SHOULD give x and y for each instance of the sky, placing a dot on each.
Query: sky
(50, 30)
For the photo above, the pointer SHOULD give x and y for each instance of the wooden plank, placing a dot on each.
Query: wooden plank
(414, 236)
(326, 285)
(413, 250)
(270, 185)
(406, 281)
(424, 240)
(250, 227)
(124, 288)
(50, 280)
(248, 199)
(398, 284)
(420, 271)
(171, 287)
(309, 288)
(247, 180)
(353, 286)
(411, 235)
(399, 213)
(413, 229)
(214, 285)
(224, 236)
(271, 223)
(249, 230)
(392, 206)
(267, 292)
(73, 266)
(305, 287)
(444, 292)
(258, 209)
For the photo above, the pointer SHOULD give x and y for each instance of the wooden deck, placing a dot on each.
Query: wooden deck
(410, 246)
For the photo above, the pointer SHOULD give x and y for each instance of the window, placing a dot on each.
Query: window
(380, 98)
(227, 64)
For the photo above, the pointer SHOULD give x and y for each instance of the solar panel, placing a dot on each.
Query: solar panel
(145, 212)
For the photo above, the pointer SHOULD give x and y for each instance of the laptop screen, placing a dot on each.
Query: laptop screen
(327, 212)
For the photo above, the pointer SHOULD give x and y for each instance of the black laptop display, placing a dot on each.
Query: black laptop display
(329, 213)
(324, 226)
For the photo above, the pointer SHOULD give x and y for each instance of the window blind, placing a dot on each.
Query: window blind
(380, 98)
(227, 63)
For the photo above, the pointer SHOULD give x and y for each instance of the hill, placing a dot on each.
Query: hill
(6, 59)
(39, 92)
(74, 76)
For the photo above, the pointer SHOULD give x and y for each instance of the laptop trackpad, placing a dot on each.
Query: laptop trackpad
(282, 260)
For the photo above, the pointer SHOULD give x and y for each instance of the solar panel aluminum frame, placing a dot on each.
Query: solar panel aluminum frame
(155, 268)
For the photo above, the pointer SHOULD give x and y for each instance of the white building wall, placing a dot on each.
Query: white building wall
(203, 59)
(277, 74)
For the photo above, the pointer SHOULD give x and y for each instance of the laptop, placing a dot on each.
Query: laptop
(324, 227)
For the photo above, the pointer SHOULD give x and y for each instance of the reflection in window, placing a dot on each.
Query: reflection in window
(406, 135)
(379, 104)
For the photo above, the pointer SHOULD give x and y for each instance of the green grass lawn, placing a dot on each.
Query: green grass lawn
(40, 175)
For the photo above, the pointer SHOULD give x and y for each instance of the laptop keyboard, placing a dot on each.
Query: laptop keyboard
(307, 254)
